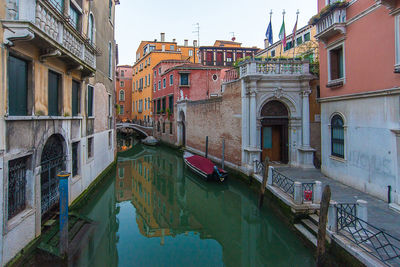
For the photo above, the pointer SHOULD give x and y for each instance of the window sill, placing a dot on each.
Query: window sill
(335, 83)
(28, 118)
(19, 218)
(181, 85)
(75, 179)
(342, 160)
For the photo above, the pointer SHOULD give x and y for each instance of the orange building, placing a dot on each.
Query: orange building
(149, 54)
(123, 87)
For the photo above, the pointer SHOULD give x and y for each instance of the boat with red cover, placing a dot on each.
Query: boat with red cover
(204, 167)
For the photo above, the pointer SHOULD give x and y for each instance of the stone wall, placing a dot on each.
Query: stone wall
(217, 118)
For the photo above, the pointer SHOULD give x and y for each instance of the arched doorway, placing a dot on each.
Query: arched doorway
(274, 131)
(52, 162)
(182, 129)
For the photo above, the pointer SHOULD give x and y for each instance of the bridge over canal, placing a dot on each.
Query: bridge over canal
(145, 130)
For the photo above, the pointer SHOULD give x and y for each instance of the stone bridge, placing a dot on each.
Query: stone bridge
(146, 130)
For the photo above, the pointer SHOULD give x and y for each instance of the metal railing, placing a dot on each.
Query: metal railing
(284, 183)
(231, 75)
(259, 167)
(371, 239)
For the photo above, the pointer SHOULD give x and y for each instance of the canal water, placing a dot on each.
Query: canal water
(152, 211)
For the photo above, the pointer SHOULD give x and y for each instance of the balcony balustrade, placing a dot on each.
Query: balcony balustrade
(42, 23)
(331, 23)
(274, 67)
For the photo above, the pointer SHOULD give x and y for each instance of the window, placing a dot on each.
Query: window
(145, 64)
(307, 37)
(148, 103)
(337, 135)
(110, 60)
(145, 103)
(145, 80)
(154, 106)
(299, 40)
(122, 84)
(121, 110)
(159, 71)
(184, 79)
(17, 86)
(149, 61)
(163, 104)
(190, 53)
(148, 79)
(90, 101)
(171, 103)
(171, 47)
(289, 45)
(75, 98)
(59, 4)
(121, 95)
(158, 106)
(164, 83)
(154, 87)
(336, 63)
(171, 79)
(170, 127)
(110, 139)
(122, 73)
(91, 29)
(229, 56)
(54, 94)
(273, 53)
(17, 169)
(110, 5)
(74, 17)
(155, 73)
(137, 87)
(90, 147)
(75, 159)
(159, 85)
(163, 127)
(158, 126)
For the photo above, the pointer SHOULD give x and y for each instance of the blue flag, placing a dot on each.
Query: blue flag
(268, 34)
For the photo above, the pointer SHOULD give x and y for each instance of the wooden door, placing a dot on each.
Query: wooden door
(271, 142)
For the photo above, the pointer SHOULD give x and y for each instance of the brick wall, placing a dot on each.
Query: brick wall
(217, 118)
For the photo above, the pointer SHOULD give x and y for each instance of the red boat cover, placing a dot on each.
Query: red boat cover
(201, 163)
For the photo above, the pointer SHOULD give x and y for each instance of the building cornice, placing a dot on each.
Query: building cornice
(384, 92)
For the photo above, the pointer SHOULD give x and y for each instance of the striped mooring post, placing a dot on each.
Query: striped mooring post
(63, 188)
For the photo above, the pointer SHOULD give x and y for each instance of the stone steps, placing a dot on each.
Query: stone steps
(306, 233)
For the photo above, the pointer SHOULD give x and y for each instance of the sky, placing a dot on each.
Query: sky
(136, 21)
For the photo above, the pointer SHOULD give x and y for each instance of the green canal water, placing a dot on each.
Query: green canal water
(152, 211)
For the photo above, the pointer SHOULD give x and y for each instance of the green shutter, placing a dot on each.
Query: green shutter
(17, 86)
(54, 80)
(75, 98)
(90, 101)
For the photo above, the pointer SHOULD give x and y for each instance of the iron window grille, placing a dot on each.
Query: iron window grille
(75, 164)
(337, 136)
(16, 186)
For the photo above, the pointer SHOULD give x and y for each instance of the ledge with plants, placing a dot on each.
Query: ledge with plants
(326, 10)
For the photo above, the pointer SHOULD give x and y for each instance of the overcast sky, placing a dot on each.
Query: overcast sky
(145, 20)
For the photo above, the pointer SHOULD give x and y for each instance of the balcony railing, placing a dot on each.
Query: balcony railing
(44, 21)
(274, 67)
(231, 75)
(332, 22)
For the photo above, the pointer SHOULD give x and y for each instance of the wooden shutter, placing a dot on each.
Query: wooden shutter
(53, 93)
(90, 101)
(17, 86)
(75, 98)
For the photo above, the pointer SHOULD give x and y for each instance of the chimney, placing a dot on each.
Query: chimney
(266, 43)
(195, 43)
(162, 37)
(186, 42)
(174, 40)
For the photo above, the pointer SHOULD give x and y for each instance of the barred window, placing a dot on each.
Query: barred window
(337, 136)
(16, 186)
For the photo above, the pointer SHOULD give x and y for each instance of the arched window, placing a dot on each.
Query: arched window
(91, 29)
(337, 136)
(121, 95)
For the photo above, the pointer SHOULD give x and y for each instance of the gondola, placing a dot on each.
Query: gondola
(204, 167)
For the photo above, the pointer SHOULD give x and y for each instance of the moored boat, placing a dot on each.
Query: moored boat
(150, 141)
(204, 167)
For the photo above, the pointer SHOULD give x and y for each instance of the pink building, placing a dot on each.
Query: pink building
(360, 94)
(176, 80)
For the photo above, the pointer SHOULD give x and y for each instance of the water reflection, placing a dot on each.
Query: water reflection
(182, 220)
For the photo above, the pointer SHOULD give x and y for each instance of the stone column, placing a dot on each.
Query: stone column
(253, 120)
(306, 118)
(66, 7)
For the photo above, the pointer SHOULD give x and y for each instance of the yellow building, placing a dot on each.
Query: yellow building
(149, 54)
(305, 46)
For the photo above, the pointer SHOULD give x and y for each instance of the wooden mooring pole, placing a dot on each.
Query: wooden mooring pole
(223, 153)
(264, 182)
(206, 146)
(323, 219)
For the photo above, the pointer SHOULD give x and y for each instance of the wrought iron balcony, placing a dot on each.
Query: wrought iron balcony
(44, 25)
(331, 21)
(274, 67)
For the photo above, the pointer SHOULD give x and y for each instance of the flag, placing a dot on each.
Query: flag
(268, 34)
(282, 33)
(294, 31)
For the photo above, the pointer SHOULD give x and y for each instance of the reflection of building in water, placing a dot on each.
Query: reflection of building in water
(171, 200)
(123, 181)
(125, 143)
